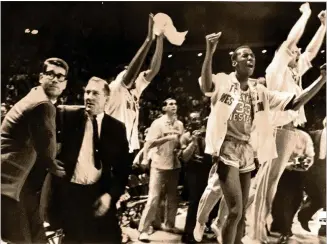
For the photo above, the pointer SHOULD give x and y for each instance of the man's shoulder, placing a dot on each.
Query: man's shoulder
(304, 135)
(113, 121)
(70, 108)
(31, 103)
(180, 123)
(35, 97)
(222, 75)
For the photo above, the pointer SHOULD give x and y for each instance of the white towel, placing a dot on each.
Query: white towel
(164, 24)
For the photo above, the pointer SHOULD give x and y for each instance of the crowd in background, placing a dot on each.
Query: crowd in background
(181, 84)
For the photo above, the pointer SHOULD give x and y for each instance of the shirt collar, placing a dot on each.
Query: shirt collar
(251, 82)
(167, 120)
(100, 116)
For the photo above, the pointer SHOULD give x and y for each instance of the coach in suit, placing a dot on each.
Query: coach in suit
(94, 153)
(28, 132)
(315, 180)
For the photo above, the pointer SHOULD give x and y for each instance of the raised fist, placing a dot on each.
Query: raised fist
(305, 8)
(212, 41)
(322, 17)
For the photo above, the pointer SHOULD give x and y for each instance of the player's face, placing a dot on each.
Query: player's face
(53, 80)
(195, 120)
(296, 52)
(95, 98)
(171, 107)
(245, 61)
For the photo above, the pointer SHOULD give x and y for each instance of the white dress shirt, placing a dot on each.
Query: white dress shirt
(85, 171)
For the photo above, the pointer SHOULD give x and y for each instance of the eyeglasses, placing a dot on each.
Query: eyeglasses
(51, 75)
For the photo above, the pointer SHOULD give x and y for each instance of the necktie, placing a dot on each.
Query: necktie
(96, 142)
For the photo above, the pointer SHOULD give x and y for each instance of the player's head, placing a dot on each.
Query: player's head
(195, 120)
(169, 106)
(243, 60)
(296, 52)
(96, 95)
(53, 77)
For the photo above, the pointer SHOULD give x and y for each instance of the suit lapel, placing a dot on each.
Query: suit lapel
(81, 129)
(103, 127)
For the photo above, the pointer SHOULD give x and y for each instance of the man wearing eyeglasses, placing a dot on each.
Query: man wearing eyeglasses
(28, 140)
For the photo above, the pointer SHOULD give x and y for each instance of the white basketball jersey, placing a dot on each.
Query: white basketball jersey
(124, 105)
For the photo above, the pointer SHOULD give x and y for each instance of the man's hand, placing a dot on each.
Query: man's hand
(125, 197)
(262, 81)
(102, 205)
(150, 36)
(195, 135)
(145, 164)
(57, 168)
(212, 41)
(305, 9)
(322, 17)
(173, 137)
(323, 71)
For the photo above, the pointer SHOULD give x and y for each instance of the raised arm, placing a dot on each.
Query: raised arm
(309, 92)
(206, 72)
(156, 59)
(297, 31)
(315, 44)
(136, 63)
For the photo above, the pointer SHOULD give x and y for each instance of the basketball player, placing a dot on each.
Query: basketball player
(284, 74)
(237, 103)
(127, 88)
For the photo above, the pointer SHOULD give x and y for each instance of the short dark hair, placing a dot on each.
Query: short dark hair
(234, 55)
(57, 62)
(165, 102)
(106, 88)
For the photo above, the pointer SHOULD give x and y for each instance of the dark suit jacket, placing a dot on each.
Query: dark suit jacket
(27, 132)
(113, 149)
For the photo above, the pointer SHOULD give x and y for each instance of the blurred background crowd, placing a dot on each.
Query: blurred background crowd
(100, 38)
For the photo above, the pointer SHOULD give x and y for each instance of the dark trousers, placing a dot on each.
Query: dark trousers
(289, 196)
(20, 221)
(73, 210)
(315, 187)
(287, 201)
(196, 177)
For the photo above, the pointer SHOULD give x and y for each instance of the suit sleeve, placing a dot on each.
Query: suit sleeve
(121, 169)
(43, 132)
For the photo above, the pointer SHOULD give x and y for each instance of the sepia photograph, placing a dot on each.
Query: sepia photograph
(163, 122)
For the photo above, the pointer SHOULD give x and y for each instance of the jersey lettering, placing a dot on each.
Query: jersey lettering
(242, 111)
(227, 99)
